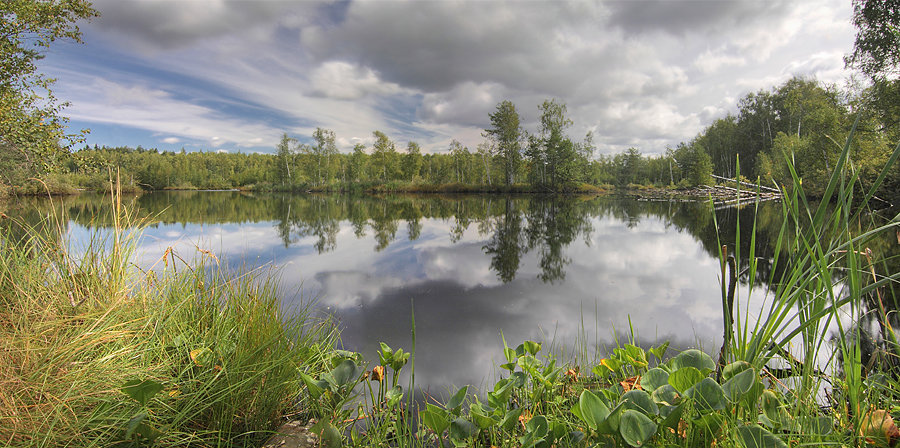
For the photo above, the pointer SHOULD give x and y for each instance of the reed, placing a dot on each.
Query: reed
(215, 352)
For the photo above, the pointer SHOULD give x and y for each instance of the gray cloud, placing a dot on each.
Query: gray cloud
(690, 16)
(639, 73)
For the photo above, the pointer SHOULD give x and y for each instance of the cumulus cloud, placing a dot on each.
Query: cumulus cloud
(647, 74)
(346, 81)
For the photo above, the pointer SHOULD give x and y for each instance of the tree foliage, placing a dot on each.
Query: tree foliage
(507, 134)
(33, 134)
(876, 50)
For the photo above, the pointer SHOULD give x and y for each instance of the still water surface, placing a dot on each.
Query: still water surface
(559, 270)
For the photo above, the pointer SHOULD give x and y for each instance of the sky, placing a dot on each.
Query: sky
(235, 75)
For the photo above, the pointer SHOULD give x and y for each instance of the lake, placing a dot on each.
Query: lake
(572, 272)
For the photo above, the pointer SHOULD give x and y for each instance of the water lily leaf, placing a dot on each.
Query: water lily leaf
(141, 391)
(707, 394)
(666, 394)
(394, 395)
(518, 379)
(755, 436)
(510, 355)
(538, 425)
(639, 400)
(436, 418)
(672, 415)
(636, 428)
(331, 437)
(537, 429)
(511, 418)
(685, 378)
(481, 416)
(654, 379)
(710, 424)
(511, 366)
(740, 384)
(822, 425)
(461, 429)
(693, 358)
(660, 350)
(600, 371)
(770, 405)
(592, 409)
(315, 387)
(636, 356)
(532, 347)
(457, 399)
(346, 373)
(613, 365)
(735, 368)
(500, 396)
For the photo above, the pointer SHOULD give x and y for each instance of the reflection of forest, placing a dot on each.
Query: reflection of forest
(512, 226)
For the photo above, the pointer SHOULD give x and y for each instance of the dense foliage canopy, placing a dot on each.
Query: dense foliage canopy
(33, 134)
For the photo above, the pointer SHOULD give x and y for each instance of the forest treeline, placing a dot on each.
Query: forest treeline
(802, 119)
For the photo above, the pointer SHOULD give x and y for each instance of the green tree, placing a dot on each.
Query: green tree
(284, 153)
(460, 156)
(358, 161)
(323, 152)
(384, 156)
(876, 50)
(412, 161)
(33, 135)
(507, 134)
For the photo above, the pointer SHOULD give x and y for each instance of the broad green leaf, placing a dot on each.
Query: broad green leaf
(673, 415)
(739, 384)
(510, 355)
(755, 436)
(133, 423)
(735, 368)
(639, 400)
(532, 347)
(822, 425)
(538, 425)
(654, 379)
(660, 350)
(511, 418)
(315, 389)
(394, 395)
(141, 391)
(693, 358)
(481, 416)
(331, 437)
(457, 399)
(461, 429)
(707, 394)
(346, 373)
(435, 418)
(666, 394)
(636, 356)
(636, 428)
(684, 378)
(593, 410)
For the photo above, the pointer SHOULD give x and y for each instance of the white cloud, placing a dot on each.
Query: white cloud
(345, 81)
(157, 110)
(641, 74)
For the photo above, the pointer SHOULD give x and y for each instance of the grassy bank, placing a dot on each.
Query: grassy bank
(816, 364)
(95, 352)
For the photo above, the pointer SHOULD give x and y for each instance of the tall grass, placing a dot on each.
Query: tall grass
(76, 325)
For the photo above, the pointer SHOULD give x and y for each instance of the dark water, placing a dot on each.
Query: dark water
(566, 271)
